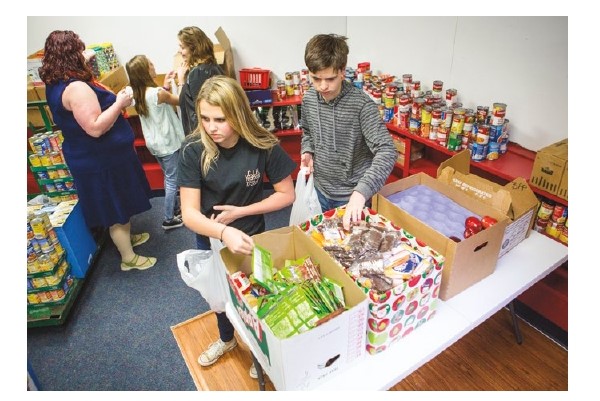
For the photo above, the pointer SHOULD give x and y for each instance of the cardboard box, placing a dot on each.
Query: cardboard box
(395, 313)
(563, 188)
(303, 361)
(259, 97)
(467, 261)
(75, 236)
(549, 166)
(115, 80)
(34, 61)
(515, 199)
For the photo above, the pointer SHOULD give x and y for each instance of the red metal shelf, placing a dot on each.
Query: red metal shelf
(288, 101)
(289, 132)
(516, 162)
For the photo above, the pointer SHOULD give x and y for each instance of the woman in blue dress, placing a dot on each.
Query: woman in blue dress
(98, 145)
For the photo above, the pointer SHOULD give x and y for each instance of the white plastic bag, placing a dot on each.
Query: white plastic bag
(205, 272)
(307, 203)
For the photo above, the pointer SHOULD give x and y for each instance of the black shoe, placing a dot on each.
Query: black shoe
(177, 212)
(173, 223)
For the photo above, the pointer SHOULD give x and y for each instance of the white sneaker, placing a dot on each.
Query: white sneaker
(215, 350)
(252, 372)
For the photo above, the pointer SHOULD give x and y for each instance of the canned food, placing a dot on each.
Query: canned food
(56, 158)
(478, 152)
(545, 211)
(553, 229)
(52, 174)
(437, 89)
(451, 95)
(33, 298)
(483, 135)
(498, 113)
(39, 228)
(34, 160)
(493, 151)
(45, 160)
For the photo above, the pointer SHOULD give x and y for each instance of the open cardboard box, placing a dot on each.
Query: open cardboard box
(515, 199)
(303, 361)
(467, 261)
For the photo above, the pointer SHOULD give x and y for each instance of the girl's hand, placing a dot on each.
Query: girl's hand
(237, 241)
(228, 214)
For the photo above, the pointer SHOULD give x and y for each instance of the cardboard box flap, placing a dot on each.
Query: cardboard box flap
(522, 197)
(480, 188)
(460, 162)
(227, 59)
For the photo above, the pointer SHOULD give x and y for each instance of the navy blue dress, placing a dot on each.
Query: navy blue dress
(110, 181)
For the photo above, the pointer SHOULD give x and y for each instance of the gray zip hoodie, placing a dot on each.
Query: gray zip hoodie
(352, 149)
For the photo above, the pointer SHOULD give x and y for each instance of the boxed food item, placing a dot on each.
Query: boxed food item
(468, 260)
(75, 236)
(304, 360)
(549, 167)
(401, 276)
(515, 199)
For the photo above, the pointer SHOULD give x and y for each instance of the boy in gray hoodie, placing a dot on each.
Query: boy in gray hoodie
(344, 141)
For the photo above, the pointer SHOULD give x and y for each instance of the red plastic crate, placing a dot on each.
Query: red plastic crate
(254, 78)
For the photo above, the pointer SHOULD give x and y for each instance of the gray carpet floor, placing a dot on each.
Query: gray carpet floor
(118, 333)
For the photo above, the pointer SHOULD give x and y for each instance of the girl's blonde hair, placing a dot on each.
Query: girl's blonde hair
(138, 69)
(226, 93)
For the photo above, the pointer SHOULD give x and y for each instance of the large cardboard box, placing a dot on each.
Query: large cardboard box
(467, 261)
(515, 199)
(397, 312)
(302, 361)
(549, 166)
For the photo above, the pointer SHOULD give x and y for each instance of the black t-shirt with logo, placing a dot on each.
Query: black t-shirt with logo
(235, 179)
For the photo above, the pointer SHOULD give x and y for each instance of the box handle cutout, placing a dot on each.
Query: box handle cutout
(481, 246)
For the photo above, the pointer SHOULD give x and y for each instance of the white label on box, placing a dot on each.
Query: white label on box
(515, 232)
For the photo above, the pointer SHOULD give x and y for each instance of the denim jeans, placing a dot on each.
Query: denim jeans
(169, 168)
(328, 204)
(226, 329)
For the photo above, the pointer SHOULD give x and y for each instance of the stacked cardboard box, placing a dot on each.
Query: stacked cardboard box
(550, 169)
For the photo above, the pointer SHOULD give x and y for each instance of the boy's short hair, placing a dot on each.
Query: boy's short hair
(326, 51)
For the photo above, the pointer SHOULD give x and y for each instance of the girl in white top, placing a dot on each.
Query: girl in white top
(162, 129)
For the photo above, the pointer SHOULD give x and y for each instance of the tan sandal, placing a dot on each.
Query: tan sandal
(147, 263)
(139, 239)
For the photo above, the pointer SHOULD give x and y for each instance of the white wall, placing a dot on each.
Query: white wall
(520, 61)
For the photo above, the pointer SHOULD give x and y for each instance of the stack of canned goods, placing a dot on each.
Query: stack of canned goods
(47, 267)
(49, 165)
(552, 220)
(430, 114)
(46, 149)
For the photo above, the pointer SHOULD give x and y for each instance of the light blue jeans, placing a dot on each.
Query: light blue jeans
(169, 168)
